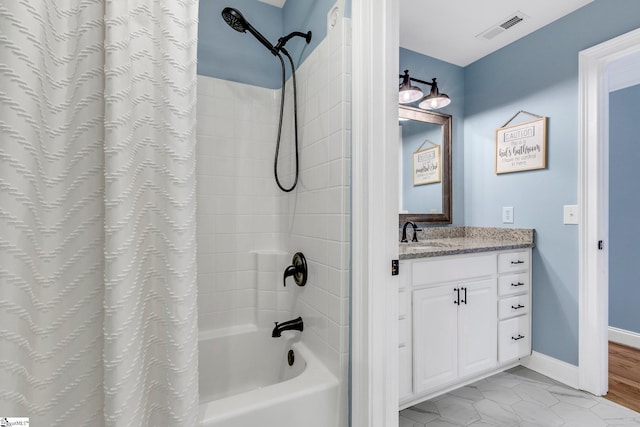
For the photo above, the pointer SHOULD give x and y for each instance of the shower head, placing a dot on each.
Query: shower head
(234, 18)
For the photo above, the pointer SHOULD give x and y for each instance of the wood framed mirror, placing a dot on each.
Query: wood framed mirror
(425, 169)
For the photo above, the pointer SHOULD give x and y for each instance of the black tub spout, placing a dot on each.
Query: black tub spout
(289, 325)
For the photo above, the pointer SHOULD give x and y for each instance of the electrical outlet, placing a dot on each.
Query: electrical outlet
(507, 215)
(571, 214)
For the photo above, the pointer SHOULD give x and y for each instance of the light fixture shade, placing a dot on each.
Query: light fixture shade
(407, 93)
(434, 102)
(435, 99)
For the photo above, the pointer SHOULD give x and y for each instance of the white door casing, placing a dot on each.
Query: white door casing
(593, 201)
(374, 213)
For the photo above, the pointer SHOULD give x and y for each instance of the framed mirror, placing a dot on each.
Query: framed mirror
(425, 169)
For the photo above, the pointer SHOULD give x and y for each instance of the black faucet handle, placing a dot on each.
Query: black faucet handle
(298, 270)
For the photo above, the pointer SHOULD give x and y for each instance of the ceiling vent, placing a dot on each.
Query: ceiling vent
(504, 25)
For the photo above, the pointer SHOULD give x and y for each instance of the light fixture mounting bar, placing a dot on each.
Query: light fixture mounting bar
(417, 80)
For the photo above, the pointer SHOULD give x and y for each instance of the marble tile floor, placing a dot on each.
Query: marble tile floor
(518, 397)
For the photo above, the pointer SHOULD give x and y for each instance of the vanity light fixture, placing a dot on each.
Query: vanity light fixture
(409, 93)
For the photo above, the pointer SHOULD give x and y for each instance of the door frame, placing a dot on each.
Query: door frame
(593, 202)
(374, 213)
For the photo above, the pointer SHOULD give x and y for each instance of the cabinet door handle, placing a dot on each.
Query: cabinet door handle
(519, 337)
(457, 300)
(465, 295)
(517, 262)
(518, 307)
(517, 284)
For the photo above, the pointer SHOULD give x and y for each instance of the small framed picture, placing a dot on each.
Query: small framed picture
(521, 147)
(427, 166)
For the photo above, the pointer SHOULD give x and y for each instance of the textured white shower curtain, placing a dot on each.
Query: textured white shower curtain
(98, 319)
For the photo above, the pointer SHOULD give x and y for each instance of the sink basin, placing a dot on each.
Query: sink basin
(414, 248)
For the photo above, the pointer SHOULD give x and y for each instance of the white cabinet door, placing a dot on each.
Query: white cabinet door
(435, 337)
(477, 327)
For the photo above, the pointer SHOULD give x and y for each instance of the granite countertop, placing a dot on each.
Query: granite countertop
(440, 241)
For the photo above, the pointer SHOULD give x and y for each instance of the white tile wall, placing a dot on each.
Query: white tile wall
(248, 230)
(238, 206)
(319, 212)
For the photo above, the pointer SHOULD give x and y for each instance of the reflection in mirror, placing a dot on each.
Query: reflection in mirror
(425, 149)
(421, 167)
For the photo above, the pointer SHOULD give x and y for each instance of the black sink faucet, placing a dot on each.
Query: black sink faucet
(289, 325)
(404, 232)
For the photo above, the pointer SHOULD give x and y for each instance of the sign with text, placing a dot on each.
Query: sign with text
(426, 166)
(521, 147)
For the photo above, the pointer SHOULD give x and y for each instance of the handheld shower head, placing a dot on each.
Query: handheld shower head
(234, 18)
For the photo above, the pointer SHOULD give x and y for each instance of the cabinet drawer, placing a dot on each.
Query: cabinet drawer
(514, 339)
(513, 261)
(513, 306)
(513, 284)
(451, 269)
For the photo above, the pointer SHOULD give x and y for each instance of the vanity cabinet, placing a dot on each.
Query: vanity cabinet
(454, 332)
(461, 317)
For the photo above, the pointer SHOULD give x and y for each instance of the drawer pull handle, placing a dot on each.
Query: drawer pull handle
(519, 337)
(457, 302)
(518, 307)
(517, 262)
(517, 284)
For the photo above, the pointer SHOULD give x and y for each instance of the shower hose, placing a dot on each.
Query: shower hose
(295, 120)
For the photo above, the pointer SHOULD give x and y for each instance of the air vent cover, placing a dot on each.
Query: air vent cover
(511, 22)
(504, 25)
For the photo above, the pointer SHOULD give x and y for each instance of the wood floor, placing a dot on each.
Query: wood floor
(624, 376)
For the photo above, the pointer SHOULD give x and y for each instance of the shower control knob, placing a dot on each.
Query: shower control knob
(297, 269)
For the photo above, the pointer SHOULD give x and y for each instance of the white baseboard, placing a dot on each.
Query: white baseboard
(553, 368)
(628, 338)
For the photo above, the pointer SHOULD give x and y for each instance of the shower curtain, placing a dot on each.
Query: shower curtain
(98, 318)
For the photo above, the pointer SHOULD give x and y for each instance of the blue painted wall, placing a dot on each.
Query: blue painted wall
(227, 54)
(538, 73)
(450, 81)
(624, 206)
(306, 15)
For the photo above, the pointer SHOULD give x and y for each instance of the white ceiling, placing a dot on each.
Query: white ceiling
(447, 29)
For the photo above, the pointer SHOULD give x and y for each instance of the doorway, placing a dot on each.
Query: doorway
(595, 67)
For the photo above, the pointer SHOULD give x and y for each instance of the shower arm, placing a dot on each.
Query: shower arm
(283, 40)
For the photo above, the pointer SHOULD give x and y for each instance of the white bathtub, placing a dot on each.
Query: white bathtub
(245, 381)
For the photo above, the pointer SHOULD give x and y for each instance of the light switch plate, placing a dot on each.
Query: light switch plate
(507, 215)
(571, 214)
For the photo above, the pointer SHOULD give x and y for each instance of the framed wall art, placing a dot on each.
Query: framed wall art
(521, 147)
